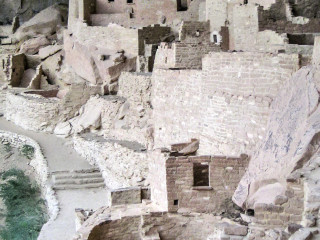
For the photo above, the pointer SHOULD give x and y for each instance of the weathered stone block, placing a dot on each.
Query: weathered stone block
(126, 196)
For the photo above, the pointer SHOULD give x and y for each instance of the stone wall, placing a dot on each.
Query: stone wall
(277, 20)
(111, 37)
(289, 208)
(226, 105)
(187, 53)
(243, 25)
(122, 163)
(158, 178)
(316, 52)
(15, 70)
(143, 222)
(182, 55)
(224, 175)
(151, 35)
(216, 13)
(194, 32)
(32, 112)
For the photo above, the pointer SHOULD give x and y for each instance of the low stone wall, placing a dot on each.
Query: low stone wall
(40, 165)
(289, 208)
(32, 112)
(143, 222)
(122, 163)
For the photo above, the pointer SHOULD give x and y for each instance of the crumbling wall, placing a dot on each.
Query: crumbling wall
(143, 223)
(32, 112)
(277, 20)
(122, 163)
(194, 32)
(182, 55)
(194, 43)
(16, 69)
(234, 91)
(287, 209)
(223, 173)
(151, 35)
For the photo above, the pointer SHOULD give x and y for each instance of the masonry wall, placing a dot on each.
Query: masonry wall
(226, 105)
(16, 69)
(177, 93)
(143, 13)
(316, 52)
(122, 163)
(31, 112)
(112, 37)
(288, 211)
(151, 35)
(224, 176)
(269, 19)
(216, 13)
(243, 25)
(135, 225)
(182, 55)
(158, 178)
(188, 32)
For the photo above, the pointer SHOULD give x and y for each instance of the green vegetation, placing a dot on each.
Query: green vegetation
(7, 147)
(25, 209)
(27, 151)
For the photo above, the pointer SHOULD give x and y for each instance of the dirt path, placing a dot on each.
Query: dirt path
(62, 157)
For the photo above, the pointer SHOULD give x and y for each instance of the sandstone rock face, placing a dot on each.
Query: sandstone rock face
(46, 23)
(291, 138)
(25, 10)
(33, 45)
(49, 51)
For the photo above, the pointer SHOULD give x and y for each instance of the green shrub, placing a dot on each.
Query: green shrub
(27, 151)
(7, 147)
(26, 211)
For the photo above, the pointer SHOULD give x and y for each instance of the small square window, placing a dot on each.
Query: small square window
(176, 202)
(200, 174)
(129, 1)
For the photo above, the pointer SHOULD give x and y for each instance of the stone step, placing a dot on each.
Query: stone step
(75, 186)
(78, 181)
(90, 170)
(77, 175)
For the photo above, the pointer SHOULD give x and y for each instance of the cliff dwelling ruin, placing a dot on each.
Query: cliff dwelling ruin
(160, 120)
